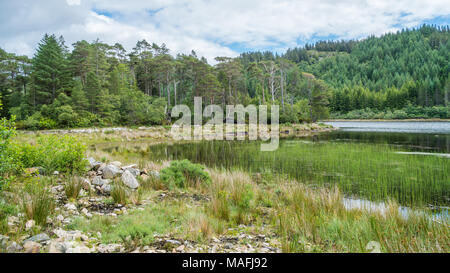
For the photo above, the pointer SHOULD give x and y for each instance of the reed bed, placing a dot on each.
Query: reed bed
(370, 171)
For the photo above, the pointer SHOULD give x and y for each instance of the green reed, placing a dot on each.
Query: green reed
(369, 171)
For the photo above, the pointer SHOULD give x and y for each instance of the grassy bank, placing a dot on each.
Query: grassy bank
(294, 216)
(189, 208)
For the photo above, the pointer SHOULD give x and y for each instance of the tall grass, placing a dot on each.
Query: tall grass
(375, 172)
(73, 187)
(316, 221)
(232, 196)
(37, 201)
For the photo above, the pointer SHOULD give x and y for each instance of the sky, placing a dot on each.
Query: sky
(210, 27)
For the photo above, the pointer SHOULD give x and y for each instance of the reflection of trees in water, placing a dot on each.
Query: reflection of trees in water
(413, 141)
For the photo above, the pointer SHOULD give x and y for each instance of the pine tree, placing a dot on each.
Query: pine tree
(92, 89)
(49, 71)
(79, 99)
(319, 101)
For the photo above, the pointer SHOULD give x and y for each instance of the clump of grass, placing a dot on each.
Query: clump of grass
(119, 193)
(73, 187)
(133, 239)
(37, 201)
(199, 227)
(152, 183)
(135, 197)
(232, 196)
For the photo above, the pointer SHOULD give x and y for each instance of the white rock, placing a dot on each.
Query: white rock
(133, 166)
(129, 180)
(70, 206)
(14, 248)
(29, 224)
(106, 188)
(116, 163)
(74, 247)
(98, 181)
(86, 213)
(56, 247)
(111, 171)
(31, 247)
(93, 164)
(85, 184)
(133, 171)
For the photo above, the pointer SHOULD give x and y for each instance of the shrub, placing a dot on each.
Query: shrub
(183, 173)
(8, 163)
(38, 122)
(53, 153)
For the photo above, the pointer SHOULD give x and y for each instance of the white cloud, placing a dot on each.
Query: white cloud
(73, 2)
(208, 27)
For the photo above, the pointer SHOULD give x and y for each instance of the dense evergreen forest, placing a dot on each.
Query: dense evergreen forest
(397, 75)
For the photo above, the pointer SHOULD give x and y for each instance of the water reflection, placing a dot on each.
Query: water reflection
(425, 142)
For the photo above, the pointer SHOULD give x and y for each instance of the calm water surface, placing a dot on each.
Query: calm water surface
(420, 136)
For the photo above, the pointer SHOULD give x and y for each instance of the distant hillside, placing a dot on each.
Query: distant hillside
(412, 65)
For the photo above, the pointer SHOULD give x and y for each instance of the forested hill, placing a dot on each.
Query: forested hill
(398, 75)
(409, 66)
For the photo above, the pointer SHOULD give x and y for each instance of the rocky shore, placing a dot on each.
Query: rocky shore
(95, 190)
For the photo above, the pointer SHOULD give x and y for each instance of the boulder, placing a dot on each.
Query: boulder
(101, 167)
(14, 248)
(56, 247)
(75, 247)
(40, 238)
(98, 181)
(32, 247)
(85, 184)
(133, 171)
(129, 180)
(106, 188)
(134, 166)
(93, 164)
(3, 240)
(111, 171)
(116, 163)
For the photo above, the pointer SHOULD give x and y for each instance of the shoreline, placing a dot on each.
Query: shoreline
(390, 120)
(237, 211)
(162, 133)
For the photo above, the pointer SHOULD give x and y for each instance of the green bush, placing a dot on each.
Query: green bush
(53, 153)
(8, 163)
(183, 173)
(38, 122)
